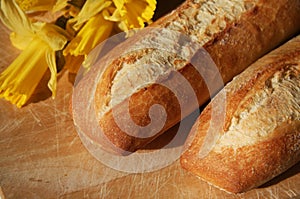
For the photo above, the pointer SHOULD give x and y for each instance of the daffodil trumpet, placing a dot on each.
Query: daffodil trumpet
(130, 14)
(40, 42)
(19, 80)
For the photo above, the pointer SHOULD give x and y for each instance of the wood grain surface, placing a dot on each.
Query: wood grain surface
(41, 156)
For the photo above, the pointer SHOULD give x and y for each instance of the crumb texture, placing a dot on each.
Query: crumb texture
(202, 19)
(261, 112)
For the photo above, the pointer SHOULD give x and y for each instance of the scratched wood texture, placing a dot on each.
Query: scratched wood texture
(41, 156)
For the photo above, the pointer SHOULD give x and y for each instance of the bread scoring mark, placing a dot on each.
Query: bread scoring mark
(109, 75)
(261, 112)
(202, 19)
(144, 71)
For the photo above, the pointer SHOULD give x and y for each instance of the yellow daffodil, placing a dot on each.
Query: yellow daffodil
(36, 5)
(90, 9)
(92, 29)
(97, 19)
(91, 34)
(69, 7)
(130, 14)
(19, 80)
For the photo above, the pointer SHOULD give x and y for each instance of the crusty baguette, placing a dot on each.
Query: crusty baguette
(260, 135)
(235, 33)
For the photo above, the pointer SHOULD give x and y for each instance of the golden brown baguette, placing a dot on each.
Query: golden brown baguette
(234, 33)
(260, 135)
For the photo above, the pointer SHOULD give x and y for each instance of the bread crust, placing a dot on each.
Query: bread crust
(262, 27)
(239, 166)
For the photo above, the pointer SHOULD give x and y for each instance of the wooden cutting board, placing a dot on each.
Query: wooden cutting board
(42, 156)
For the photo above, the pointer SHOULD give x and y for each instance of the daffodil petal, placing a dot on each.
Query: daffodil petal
(14, 18)
(116, 16)
(50, 58)
(68, 7)
(133, 18)
(140, 12)
(19, 80)
(132, 14)
(60, 5)
(36, 5)
(54, 36)
(119, 4)
(96, 30)
(122, 25)
(149, 11)
(20, 41)
(90, 9)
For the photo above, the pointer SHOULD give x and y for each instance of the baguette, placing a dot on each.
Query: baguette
(260, 135)
(234, 33)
